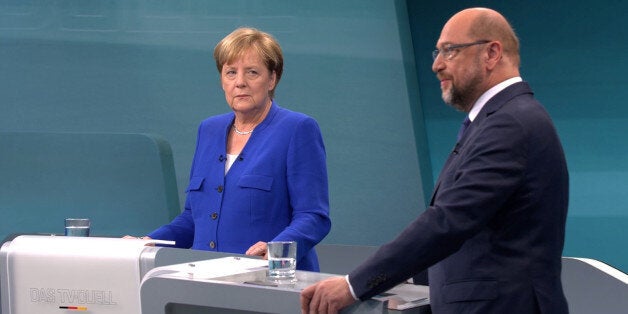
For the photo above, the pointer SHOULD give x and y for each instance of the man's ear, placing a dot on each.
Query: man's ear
(494, 53)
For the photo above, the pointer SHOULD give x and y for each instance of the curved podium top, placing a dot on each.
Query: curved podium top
(594, 287)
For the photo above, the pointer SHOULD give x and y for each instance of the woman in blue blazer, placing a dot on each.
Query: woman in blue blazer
(259, 173)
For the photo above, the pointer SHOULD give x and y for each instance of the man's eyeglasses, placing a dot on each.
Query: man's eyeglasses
(449, 51)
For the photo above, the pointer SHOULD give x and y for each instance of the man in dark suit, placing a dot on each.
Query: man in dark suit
(493, 234)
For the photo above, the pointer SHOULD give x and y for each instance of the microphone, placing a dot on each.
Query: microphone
(455, 151)
(221, 158)
(240, 158)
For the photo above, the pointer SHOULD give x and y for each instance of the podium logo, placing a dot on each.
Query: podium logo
(46, 295)
(72, 296)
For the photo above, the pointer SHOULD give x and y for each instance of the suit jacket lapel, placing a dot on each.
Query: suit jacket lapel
(501, 98)
(493, 104)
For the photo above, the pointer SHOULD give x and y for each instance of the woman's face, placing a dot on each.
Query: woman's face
(247, 83)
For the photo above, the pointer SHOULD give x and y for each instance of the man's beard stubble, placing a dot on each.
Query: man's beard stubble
(463, 97)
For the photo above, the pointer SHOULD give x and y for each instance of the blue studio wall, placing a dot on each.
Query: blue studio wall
(361, 68)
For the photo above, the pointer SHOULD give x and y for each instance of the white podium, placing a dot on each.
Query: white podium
(58, 274)
(44, 274)
(239, 285)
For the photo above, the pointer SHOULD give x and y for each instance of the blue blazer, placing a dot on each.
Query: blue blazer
(493, 234)
(275, 191)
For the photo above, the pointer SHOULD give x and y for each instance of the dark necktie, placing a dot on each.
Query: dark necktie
(463, 128)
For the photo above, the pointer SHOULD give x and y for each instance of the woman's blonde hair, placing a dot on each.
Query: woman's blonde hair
(234, 45)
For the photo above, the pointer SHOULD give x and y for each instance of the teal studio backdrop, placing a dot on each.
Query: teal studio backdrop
(361, 68)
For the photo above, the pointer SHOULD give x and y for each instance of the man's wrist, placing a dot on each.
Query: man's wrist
(351, 288)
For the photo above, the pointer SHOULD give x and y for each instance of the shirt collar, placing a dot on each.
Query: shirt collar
(479, 104)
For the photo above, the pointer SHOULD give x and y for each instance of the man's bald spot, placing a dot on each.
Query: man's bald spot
(487, 24)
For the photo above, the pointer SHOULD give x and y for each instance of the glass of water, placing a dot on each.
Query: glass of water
(282, 261)
(77, 227)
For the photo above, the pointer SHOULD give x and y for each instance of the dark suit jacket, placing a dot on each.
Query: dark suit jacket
(493, 234)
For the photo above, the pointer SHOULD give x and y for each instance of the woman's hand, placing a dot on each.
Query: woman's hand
(258, 249)
(141, 238)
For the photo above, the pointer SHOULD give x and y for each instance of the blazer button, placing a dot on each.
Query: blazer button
(214, 216)
(212, 244)
(219, 189)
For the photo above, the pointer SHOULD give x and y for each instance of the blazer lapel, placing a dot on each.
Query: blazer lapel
(493, 104)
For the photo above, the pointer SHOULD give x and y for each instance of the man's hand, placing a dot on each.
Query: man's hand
(328, 296)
